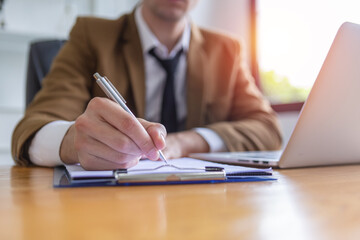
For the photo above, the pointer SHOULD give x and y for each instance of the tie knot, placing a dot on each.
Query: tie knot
(169, 64)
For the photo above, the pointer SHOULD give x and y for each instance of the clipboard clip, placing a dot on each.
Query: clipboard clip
(207, 173)
(206, 169)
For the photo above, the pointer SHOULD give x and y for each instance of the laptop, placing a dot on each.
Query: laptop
(327, 131)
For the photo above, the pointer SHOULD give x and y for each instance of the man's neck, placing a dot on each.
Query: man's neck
(168, 33)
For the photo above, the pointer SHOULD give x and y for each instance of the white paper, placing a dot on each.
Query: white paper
(147, 166)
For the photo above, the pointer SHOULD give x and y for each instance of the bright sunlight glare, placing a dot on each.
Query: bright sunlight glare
(295, 36)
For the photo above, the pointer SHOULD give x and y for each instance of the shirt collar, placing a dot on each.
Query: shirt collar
(149, 40)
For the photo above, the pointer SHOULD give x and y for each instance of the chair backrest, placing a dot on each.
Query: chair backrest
(41, 55)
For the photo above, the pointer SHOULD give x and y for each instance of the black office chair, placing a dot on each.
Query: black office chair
(41, 55)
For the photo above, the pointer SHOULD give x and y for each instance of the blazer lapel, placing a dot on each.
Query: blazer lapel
(195, 80)
(135, 64)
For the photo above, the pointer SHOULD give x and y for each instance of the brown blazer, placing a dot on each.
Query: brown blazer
(221, 93)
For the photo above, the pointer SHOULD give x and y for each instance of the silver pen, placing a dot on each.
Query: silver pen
(113, 94)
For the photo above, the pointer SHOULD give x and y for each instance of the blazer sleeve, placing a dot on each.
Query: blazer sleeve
(251, 124)
(64, 94)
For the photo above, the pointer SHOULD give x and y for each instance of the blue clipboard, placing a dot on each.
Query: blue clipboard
(62, 178)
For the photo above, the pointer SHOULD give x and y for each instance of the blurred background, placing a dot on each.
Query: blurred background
(286, 43)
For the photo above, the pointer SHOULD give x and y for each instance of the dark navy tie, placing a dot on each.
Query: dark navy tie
(168, 108)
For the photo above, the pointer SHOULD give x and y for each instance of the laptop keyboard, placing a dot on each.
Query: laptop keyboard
(262, 154)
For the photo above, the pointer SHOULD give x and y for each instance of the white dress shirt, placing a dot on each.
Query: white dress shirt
(44, 149)
(155, 75)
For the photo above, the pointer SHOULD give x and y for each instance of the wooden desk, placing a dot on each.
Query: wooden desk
(314, 203)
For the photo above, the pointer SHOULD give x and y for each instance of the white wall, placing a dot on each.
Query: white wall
(28, 20)
(229, 16)
(49, 17)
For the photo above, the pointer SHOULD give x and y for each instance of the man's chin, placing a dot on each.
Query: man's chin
(173, 16)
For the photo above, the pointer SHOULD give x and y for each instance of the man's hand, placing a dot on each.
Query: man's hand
(105, 136)
(181, 144)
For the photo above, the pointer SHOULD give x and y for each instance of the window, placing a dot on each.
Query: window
(293, 38)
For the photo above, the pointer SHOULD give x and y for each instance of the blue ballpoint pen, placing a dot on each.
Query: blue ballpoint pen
(113, 94)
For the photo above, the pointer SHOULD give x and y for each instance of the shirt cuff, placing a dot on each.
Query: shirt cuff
(216, 143)
(45, 147)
